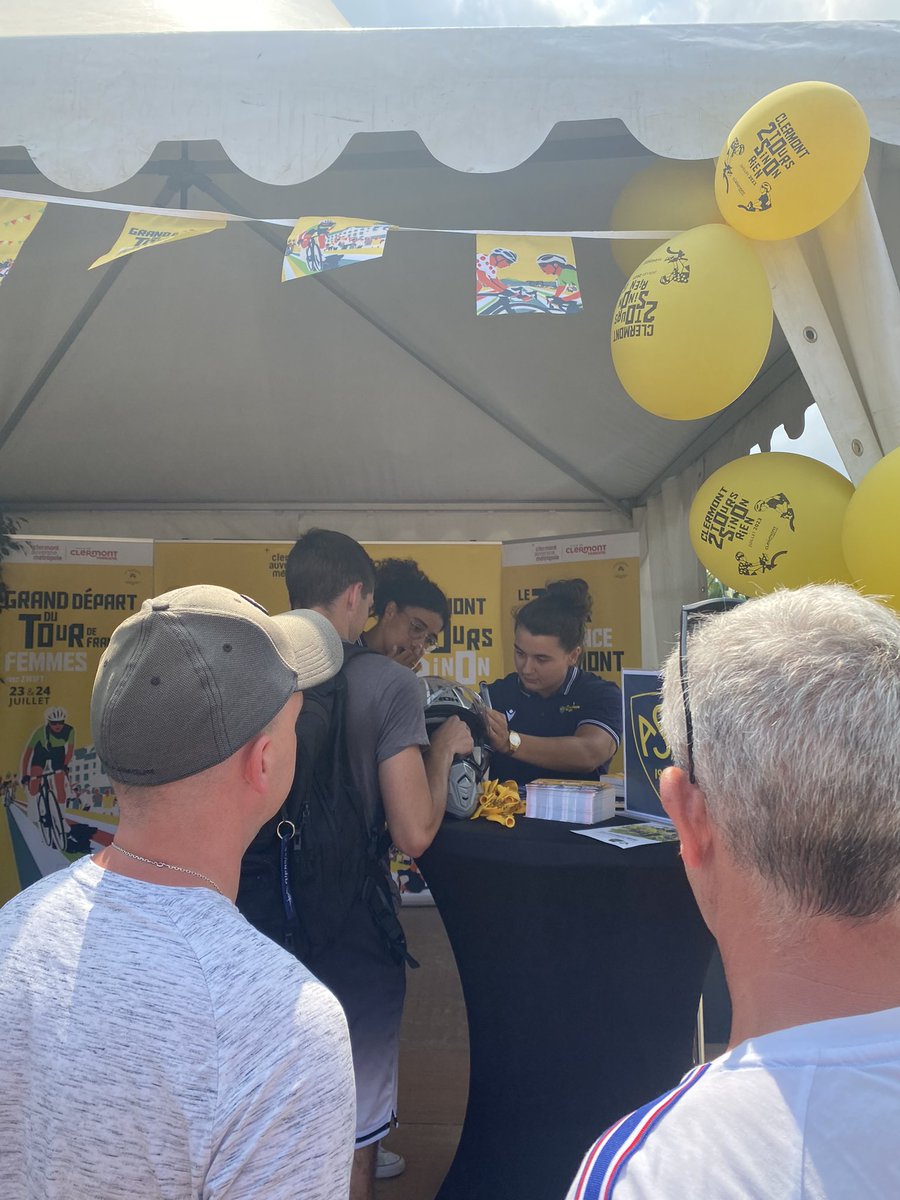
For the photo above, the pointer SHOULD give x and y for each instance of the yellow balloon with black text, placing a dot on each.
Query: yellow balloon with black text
(771, 520)
(792, 160)
(670, 193)
(692, 325)
(870, 540)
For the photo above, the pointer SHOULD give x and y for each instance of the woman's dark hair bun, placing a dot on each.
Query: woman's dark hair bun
(571, 591)
(562, 610)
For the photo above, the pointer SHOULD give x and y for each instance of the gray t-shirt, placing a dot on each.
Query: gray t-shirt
(385, 714)
(156, 1046)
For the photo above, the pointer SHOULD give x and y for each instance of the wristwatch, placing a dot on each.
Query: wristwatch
(514, 741)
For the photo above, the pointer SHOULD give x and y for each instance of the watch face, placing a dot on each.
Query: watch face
(514, 740)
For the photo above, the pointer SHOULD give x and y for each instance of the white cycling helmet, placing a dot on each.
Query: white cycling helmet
(445, 698)
(509, 255)
(56, 714)
(545, 260)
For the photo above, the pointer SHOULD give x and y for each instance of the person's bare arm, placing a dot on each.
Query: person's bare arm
(584, 750)
(414, 786)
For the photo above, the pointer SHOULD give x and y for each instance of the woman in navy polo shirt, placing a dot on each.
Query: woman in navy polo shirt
(550, 718)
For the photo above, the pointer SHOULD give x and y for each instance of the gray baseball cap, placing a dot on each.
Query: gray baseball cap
(196, 674)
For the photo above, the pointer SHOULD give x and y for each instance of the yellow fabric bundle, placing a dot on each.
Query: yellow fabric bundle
(499, 802)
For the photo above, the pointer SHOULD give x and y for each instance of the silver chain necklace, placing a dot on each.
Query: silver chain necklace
(151, 862)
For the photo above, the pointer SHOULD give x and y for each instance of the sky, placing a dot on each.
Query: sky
(609, 12)
(815, 441)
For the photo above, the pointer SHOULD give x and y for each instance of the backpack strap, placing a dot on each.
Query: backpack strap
(377, 893)
(313, 734)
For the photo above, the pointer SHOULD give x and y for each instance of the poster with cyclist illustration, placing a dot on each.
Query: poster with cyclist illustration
(525, 274)
(65, 597)
(324, 243)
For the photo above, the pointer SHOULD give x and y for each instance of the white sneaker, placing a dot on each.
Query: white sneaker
(388, 1164)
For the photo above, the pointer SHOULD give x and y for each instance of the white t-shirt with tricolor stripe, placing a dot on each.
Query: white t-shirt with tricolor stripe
(810, 1113)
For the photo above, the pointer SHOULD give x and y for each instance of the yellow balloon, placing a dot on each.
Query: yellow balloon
(692, 325)
(669, 194)
(771, 520)
(792, 160)
(870, 541)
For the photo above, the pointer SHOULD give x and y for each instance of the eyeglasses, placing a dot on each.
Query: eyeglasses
(691, 614)
(420, 633)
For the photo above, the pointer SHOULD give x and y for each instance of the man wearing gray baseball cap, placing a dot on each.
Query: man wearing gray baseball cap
(212, 1063)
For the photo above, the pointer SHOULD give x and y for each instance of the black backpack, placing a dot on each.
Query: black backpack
(308, 866)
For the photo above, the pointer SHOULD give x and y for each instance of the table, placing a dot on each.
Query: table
(581, 966)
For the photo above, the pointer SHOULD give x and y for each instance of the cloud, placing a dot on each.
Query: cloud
(608, 12)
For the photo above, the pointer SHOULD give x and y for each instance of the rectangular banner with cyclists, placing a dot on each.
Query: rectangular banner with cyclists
(525, 274)
(324, 243)
(65, 597)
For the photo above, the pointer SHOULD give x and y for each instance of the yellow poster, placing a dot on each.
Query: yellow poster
(610, 565)
(525, 274)
(142, 230)
(255, 569)
(325, 243)
(468, 572)
(65, 598)
(17, 219)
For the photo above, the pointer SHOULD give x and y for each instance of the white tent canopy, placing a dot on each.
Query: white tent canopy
(189, 393)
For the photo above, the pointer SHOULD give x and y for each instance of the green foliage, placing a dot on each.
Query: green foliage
(9, 527)
(715, 589)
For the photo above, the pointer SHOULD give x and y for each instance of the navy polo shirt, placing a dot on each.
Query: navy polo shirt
(583, 699)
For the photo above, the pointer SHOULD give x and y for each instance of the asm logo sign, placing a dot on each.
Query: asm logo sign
(646, 750)
(652, 747)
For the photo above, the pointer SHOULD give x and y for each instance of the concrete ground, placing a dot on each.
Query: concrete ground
(434, 1062)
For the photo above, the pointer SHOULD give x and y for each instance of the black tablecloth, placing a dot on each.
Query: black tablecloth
(581, 966)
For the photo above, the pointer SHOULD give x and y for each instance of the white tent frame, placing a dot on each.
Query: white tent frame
(284, 106)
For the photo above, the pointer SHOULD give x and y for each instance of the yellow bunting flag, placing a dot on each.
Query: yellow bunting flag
(324, 243)
(143, 231)
(17, 219)
(525, 274)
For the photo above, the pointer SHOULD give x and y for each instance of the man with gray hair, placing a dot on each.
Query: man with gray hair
(783, 717)
(209, 1061)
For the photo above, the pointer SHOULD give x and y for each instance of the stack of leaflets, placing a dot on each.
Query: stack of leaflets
(578, 801)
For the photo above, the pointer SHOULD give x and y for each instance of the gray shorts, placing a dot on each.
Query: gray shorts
(371, 987)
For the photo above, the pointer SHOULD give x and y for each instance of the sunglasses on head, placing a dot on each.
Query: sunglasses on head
(691, 615)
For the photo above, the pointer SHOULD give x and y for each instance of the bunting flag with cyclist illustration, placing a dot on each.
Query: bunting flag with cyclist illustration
(525, 274)
(17, 219)
(325, 243)
(143, 230)
(64, 598)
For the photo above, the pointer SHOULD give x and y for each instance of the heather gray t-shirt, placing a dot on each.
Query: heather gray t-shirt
(385, 714)
(155, 1045)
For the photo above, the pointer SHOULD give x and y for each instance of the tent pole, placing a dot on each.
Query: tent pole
(868, 298)
(810, 335)
(221, 197)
